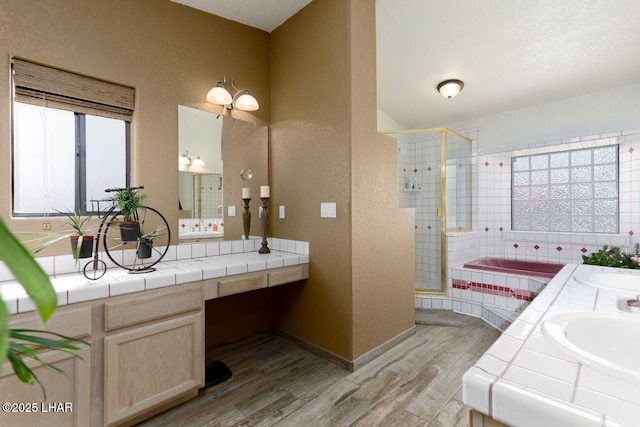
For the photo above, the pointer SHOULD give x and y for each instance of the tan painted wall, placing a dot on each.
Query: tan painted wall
(319, 70)
(170, 53)
(324, 148)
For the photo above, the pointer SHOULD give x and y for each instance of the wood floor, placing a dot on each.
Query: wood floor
(275, 383)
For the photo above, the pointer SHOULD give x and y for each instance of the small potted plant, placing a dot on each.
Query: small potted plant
(78, 224)
(145, 246)
(127, 201)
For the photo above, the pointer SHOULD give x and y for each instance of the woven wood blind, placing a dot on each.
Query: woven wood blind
(50, 87)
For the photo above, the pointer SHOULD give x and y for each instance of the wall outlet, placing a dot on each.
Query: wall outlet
(231, 211)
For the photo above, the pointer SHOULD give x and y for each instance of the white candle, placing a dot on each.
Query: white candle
(265, 191)
(246, 193)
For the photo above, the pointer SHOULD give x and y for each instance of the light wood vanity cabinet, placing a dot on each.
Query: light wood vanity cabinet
(146, 355)
(68, 397)
(153, 351)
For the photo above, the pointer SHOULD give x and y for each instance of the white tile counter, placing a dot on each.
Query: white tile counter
(524, 380)
(182, 264)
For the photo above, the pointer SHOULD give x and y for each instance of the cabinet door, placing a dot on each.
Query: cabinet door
(147, 366)
(67, 401)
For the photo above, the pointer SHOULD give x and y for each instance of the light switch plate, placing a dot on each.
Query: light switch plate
(231, 211)
(327, 210)
(281, 212)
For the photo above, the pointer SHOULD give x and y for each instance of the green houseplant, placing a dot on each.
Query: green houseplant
(128, 201)
(16, 344)
(613, 257)
(80, 234)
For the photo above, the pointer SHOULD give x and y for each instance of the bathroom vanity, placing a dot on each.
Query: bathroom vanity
(568, 360)
(146, 331)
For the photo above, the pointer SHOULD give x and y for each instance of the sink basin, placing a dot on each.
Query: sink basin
(614, 280)
(607, 342)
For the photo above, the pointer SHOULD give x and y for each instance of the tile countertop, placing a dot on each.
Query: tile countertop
(524, 380)
(181, 264)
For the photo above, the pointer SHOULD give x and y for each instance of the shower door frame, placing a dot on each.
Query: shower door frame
(442, 210)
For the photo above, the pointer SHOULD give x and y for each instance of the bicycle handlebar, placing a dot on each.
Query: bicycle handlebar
(109, 190)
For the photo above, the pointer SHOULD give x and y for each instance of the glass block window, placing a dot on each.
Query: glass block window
(568, 191)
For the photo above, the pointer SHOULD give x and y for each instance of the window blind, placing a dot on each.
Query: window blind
(54, 88)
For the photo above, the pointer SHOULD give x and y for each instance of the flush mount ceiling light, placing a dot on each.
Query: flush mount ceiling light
(450, 88)
(241, 100)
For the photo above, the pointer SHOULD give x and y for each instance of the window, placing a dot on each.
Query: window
(568, 191)
(70, 139)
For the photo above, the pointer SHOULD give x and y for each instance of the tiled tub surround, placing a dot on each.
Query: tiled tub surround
(200, 228)
(182, 264)
(494, 235)
(524, 380)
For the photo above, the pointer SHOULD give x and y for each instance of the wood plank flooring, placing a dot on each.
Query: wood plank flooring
(275, 383)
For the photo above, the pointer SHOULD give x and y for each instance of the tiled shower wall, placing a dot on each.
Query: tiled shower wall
(419, 162)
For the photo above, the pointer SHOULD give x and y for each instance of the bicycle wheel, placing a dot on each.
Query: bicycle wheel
(94, 269)
(147, 246)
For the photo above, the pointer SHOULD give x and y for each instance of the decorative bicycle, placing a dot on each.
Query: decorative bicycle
(139, 253)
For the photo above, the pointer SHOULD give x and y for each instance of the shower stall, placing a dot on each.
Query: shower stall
(435, 169)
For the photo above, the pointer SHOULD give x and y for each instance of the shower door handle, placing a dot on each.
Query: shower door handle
(439, 211)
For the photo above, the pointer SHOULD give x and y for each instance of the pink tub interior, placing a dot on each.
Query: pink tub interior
(514, 266)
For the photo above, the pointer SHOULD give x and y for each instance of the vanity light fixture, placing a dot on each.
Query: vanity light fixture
(241, 100)
(198, 162)
(450, 88)
(184, 159)
(187, 159)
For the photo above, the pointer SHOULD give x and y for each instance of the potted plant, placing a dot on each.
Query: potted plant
(127, 201)
(78, 223)
(145, 246)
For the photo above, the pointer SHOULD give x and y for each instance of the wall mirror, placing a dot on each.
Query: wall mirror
(213, 149)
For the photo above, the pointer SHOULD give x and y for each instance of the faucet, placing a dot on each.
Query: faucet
(634, 302)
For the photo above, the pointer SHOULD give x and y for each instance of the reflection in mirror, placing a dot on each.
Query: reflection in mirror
(210, 192)
(200, 174)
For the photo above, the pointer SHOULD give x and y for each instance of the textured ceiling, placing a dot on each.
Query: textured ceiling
(266, 15)
(510, 53)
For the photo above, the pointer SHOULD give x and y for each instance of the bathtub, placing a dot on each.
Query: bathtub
(514, 266)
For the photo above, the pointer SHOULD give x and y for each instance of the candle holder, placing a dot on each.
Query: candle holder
(246, 218)
(265, 226)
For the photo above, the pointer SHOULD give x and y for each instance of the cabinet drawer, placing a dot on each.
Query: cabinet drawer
(73, 323)
(144, 308)
(287, 275)
(241, 284)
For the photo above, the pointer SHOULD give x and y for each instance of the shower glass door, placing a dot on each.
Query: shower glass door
(434, 171)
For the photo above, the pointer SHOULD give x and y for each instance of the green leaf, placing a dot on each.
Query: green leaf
(28, 272)
(21, 370)
(4, 315)
(18, 349)
(24, 373)
(19, 334)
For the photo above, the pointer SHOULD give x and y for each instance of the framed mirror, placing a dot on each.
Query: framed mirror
(213, 151)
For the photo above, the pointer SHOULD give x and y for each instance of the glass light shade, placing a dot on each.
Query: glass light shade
(246, 102)
(219, 95)
(450, 88)
(184, 160)
(198, 162)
